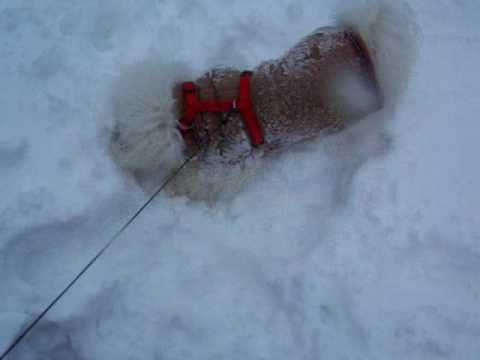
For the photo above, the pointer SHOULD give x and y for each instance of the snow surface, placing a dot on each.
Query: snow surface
(364, 245)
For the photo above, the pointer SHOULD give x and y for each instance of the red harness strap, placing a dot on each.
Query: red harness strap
(243, 104)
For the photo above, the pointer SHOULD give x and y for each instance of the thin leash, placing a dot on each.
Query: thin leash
(95, 258)
(225, 118)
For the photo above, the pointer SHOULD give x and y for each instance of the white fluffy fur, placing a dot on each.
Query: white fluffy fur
(144, 138)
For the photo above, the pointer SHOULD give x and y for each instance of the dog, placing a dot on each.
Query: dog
(325, 82)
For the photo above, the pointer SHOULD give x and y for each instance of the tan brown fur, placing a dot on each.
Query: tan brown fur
(294, 97)
(318, 86)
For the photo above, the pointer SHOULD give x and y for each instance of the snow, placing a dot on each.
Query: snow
(363, 245)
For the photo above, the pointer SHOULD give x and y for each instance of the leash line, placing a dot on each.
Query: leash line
(94, 259)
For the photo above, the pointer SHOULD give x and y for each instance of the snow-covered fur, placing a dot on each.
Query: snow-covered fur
(144, 138)
(146, 143)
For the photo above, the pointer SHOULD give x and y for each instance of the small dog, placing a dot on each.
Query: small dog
(321, 85)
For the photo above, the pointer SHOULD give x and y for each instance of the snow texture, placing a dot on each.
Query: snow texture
(362, 245)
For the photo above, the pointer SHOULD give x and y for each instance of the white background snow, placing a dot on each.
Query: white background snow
(364, 245)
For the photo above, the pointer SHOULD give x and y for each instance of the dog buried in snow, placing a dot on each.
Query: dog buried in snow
(227, 121)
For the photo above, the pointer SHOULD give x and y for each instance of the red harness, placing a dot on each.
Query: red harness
(243, 104)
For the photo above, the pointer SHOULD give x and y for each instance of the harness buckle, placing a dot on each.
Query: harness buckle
(243, 104)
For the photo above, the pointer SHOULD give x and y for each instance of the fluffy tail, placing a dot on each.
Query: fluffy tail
(143, 137)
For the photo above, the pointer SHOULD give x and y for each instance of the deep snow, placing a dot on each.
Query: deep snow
(364, 245)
